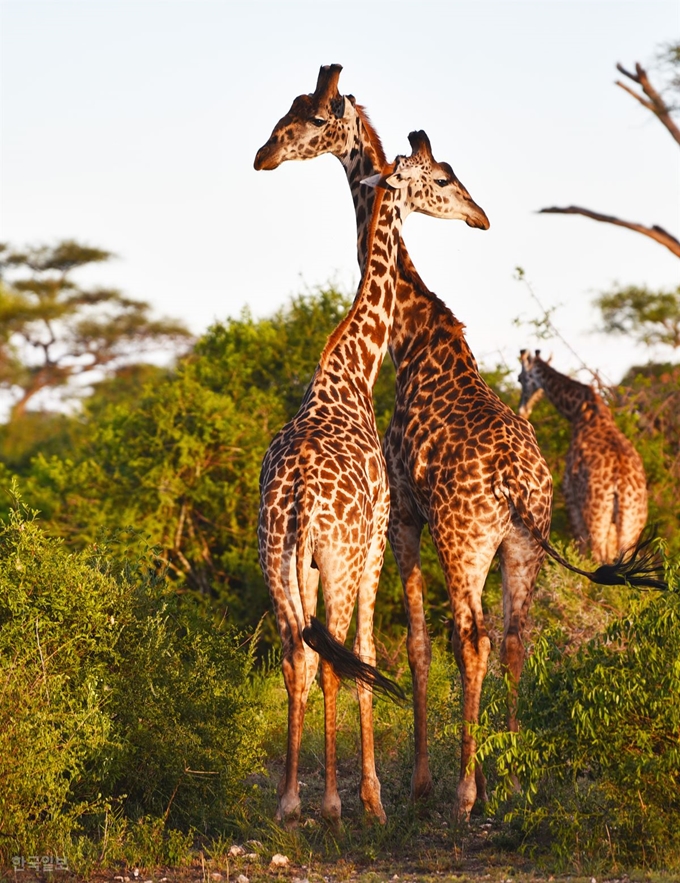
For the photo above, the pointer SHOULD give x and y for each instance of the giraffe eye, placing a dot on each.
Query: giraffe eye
(441, 182)
(318, 122)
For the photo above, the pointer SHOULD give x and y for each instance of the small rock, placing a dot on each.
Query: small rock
(216, 875)
(235, 851)
(136, 872)
(254, 844)
(279, 861)
(252, 856)
(242, 879)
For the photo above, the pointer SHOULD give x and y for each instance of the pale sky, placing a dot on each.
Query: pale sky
(132, 126)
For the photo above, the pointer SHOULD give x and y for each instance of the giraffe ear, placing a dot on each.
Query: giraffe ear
(399, 178)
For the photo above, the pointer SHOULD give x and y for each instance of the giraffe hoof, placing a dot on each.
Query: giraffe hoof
(370, 797)
(288, 813)
(331, 811)
(421, 788)
(375, 814)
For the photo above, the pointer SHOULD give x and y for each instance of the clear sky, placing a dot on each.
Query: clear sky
(132, 126)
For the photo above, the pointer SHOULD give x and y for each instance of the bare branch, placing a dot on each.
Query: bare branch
(657, 233)
(656, 104)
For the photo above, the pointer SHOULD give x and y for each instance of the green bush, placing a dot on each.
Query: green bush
(118, 703)
(598, 753)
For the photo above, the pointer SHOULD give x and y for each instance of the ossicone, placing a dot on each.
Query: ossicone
(327, 82)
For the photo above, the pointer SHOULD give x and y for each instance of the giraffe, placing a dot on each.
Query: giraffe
(324, 489)
(604, 480)
(458, 458)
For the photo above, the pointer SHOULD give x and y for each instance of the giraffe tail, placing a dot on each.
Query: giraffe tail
(639, 566)
(347, 664)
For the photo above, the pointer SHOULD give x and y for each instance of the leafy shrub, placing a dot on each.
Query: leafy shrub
(598, 754)
(116, 700)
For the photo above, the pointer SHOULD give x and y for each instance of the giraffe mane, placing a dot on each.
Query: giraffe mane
(373, 136)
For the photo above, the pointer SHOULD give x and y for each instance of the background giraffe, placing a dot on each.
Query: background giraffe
(604, 480)
(324, 490)
(457, 457)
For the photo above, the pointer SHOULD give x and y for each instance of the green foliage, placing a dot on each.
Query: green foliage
(181, 466)
(598, 756)
(179, 459)
(650, 317)
(277, 356)
(119, 702)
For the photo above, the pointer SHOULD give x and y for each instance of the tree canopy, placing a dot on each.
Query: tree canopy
(54, 330)
(650, 317)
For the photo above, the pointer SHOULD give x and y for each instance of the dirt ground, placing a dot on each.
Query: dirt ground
(480, 859)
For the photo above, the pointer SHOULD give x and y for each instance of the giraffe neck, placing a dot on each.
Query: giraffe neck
(362, 157)
(415, 306)
(357, 346)
(571, 398)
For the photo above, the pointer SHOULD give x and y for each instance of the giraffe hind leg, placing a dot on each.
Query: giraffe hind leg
(466, 572)
(300, 664)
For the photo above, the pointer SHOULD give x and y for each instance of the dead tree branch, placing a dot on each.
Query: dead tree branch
(654, 101)
(657, 233)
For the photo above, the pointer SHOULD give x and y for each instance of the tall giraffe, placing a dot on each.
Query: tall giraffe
(604, 483)
(324, 489)
(458, 459)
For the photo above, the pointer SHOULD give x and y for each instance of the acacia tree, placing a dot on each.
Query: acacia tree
(650, 98)
(53, 330)
(650, 317)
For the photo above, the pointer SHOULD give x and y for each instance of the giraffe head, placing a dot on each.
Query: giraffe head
(531, 382)
(316, 123)
(428, 186)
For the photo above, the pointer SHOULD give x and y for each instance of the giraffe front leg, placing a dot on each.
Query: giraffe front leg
(419, 657)
(405, 542)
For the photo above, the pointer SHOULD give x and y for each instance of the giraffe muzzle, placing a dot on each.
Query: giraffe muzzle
(266, 158)
(478, 218)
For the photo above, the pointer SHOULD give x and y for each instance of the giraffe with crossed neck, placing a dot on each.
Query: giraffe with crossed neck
(458, 459)
(449, 443)
(324, 488)
(604, 482)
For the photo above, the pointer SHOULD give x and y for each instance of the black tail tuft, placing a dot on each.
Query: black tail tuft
(347, 664)
(640, 566)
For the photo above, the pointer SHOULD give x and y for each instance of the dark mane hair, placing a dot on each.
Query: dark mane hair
(373, 136)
